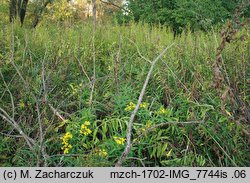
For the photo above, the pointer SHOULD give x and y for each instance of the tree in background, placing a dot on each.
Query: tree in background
(180, 14)
(74, 10)
(18, 7)
(61, 10)
(109, 7)
(39, 8)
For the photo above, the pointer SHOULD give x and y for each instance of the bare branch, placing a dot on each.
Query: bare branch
(138, 50)
(11, 96)
(139, 159)
(132, 117)
(16, 126)
(56, 112)
(113, 4)
(83, 70)
(8, 86)
(93, 79)
(9, 135)
(165, 124)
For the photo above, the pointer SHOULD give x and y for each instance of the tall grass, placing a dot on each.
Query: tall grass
(57, 63)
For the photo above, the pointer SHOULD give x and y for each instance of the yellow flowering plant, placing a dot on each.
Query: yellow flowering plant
(131, 106)
(100, 152)
(65, 142)
(143, 113)
(84, 128)
(21, 104)
(119, 140)
(78, 134)
(144, 105)
(164, 114)
(59, 11)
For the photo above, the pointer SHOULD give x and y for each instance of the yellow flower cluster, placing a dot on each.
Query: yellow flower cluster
(230, 126)
(21, 104)
(84, 128)
(75, 88)
(65, 141)
(101, 152)
(131, 106)
(109, 68)
(162, 110)
(119, 140)
(148, 125)
(144, 105)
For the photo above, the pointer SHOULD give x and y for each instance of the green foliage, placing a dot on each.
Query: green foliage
(181, 14)
(4, 13)
(59, 11)
(178, 91)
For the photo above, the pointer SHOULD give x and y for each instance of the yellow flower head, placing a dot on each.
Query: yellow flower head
(65, 141)
(66, 150)
(109, 68)
(21, 104)
(149, 124)
(87, 123)
(162, 110)
(69, 134)
(144, 105)
(84, 128)
(131, 106)
(101, 152)
(66, 137)
(119, 140)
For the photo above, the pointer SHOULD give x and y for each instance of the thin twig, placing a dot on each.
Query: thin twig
(139, 52)
(9, 135)
(40, 128)
(15, 125)
(8, 86)
(139, 159)
(93, 79)
(11, 96)
(43, 79)
(83, 70)
(56, 112)
(115, 5)
(68, 155)
(13, 63)
(223, 149)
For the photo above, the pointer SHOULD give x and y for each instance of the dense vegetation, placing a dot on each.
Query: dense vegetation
(180, 14)
(67, 93)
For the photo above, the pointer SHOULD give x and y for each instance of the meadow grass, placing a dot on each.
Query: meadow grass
(56, 68)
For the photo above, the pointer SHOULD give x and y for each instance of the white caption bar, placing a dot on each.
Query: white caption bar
(125, 175)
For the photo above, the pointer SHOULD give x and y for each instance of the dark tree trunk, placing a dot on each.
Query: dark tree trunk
(22, 10)
(39, 14)
(19, 4)
(13, 10)
(18, 7)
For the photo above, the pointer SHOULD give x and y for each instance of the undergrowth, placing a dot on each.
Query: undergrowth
(54, 68)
